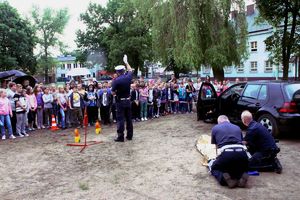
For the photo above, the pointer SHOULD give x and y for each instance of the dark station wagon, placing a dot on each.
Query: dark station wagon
(275, 104)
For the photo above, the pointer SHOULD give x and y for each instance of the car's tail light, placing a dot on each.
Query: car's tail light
(289, 107)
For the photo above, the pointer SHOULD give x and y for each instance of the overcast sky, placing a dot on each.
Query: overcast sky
(75, 8)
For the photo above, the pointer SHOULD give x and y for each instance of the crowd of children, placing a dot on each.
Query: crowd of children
(22, 110)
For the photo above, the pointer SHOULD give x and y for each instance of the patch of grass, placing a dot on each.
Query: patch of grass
(83, 186)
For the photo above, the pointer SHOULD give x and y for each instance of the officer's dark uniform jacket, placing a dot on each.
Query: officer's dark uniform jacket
(259, 139)
(121, 85)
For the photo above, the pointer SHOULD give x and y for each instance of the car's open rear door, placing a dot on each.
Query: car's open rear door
(207, 101)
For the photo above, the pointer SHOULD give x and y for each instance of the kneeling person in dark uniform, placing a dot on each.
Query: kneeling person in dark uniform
(261, 145)
(121, 88)
(231, 165)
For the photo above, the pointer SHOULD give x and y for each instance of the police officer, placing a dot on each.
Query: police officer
(231, 165)
(121, 88)
(261, 145)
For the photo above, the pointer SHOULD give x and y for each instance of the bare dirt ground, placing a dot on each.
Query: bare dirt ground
(160, 163)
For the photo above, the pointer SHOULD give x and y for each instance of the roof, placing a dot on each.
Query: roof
(253, 26)
(66, 58)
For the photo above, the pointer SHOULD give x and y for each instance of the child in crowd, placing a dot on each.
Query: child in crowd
(62, 103)
(151, 101)
(40, 106)
(190, 90)
(55, 108)
(82, 93)
(5, 114)
(175, 103)
(134, 98)
(169, 93)
(92, 109)
(163, 99)
(143, 101)
(156, 100)
(11, 91)
(182, 98)
(32, 103)
(76, 103)
(21, 105)
(105, 99)
(48, 100)
(68, 92)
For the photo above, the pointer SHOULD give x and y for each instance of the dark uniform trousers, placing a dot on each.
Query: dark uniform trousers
(233, 162)
(264, 161)
(124, 113)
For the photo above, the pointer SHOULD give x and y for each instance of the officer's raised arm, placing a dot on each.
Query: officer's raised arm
(128, 67)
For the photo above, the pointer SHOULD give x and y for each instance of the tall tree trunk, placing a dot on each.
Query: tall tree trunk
(46, 67)
(285, 59)
(218, 73)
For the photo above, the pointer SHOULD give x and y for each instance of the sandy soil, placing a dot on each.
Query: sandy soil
(160, 163)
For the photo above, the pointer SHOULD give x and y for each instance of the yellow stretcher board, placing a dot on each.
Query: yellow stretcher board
(207, 150)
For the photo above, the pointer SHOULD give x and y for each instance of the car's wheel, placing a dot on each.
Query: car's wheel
(270, 123)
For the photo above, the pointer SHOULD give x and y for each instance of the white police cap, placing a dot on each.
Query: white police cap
(120, 67)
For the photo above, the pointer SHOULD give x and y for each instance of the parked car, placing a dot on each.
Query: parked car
(275, 104)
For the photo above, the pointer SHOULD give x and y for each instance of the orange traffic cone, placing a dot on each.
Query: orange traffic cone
(53, 124)
(76, 136)
(98, 127)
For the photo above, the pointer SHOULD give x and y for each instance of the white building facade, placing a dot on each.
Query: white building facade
(66, 64)
(258, 65)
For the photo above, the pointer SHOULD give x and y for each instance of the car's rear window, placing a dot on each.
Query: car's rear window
(290, 90)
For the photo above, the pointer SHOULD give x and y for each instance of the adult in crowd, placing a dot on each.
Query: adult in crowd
(261, 145)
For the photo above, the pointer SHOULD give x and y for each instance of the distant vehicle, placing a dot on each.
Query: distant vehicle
(275, 104)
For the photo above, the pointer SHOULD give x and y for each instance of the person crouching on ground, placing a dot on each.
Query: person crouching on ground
(261, 145)
(231, 165)
(5, 115)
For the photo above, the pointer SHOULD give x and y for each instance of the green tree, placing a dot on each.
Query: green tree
(49, 25)
(284, 16)
(199, 32)
(17, 41)
(116, 29)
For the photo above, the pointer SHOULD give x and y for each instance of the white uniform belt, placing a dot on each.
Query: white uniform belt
(233, 146)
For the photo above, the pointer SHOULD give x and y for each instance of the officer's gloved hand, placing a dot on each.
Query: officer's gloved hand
(210, 163)
(125, 59)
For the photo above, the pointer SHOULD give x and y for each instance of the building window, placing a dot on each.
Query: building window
(253, 66)
(62, 66)
(75, 65)
(206, 70)
(94, 74)
(240, 69)
(63, 75)
(69, 66)
(253, 46)
(268, 66)
(227, 69)
(88, 75)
